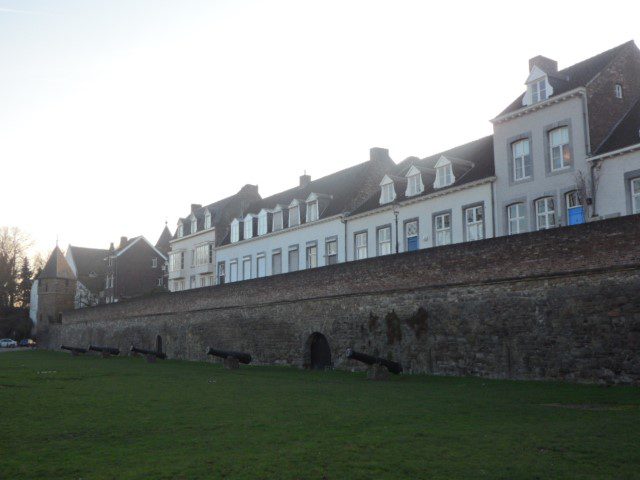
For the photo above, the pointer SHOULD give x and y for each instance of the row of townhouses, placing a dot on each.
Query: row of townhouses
(565, 152)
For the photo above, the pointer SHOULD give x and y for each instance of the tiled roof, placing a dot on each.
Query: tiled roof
(625, 134)
(57, 266)
(470, 162)
(90, 266)
(163, 242)
(578, 75)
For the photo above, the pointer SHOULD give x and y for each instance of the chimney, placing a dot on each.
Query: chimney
(378, 154)
(123, 241)
(545, 64)
(195, 206)
(305, 179)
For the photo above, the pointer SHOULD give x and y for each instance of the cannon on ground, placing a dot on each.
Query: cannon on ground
(393, 367)
(105, 351)
(151, 355)
(75, 351)
(231, 359)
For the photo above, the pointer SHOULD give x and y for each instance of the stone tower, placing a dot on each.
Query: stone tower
(56, 290)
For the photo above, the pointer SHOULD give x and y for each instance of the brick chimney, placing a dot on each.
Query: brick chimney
(305, 180)
(123, 241)
(379, 154)
(545, 64)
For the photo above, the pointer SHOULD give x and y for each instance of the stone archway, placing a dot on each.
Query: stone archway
(317, 352)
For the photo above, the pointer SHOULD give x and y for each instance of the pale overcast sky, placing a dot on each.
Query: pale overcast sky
(116, 115)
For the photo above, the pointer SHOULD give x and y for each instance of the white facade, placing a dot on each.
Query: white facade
(192, 261)
(618, 181)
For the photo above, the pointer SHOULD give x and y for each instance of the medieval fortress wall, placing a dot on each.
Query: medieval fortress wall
(556, 304)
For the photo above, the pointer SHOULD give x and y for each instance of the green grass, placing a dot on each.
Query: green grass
(121, 418)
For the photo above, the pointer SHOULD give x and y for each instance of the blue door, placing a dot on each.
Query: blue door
(412, 244)
(576, 216)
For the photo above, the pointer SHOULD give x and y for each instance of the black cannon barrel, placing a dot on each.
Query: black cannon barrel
(241, 356)
(148, 352)
(109, 350)
(393, 367)
(73, 349)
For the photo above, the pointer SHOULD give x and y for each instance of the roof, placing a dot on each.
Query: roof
(471, 162)
(57, 266)
(578, 75)
(89, 266)
(625, 134)
(163, 242)
(132, 241)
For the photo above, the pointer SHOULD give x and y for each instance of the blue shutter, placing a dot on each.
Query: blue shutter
(576, 216)
(412, 244)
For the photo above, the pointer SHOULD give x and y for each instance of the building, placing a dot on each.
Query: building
(56, 289)
(192, 261)
(564, 149)
(89, 266)
(303, 227)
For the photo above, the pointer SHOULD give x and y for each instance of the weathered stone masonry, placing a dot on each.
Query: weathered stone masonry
(561, 304)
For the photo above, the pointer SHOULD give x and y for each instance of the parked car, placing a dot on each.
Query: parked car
(27, 342)
(8, 343)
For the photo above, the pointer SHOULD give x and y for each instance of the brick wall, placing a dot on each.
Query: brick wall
(558, 304)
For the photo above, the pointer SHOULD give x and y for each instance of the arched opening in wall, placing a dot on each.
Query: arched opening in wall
(158, 343)
(317, 352)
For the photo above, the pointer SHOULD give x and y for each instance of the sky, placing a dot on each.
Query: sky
(116, 115)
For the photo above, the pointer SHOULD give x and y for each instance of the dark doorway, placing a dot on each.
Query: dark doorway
(158, 343)
(319, 352)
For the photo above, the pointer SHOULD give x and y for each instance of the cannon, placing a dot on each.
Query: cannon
(149, 353)
(75, 351)
(393, 367)
(105, 351)
(231, 359)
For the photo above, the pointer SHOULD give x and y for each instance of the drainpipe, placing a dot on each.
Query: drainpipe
(344, 221)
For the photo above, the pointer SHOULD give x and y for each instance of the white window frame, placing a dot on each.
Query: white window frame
(235, 230)
(360, 245)
(384, 240)
(194, 225)
(444, 173)
(248, 227)
(539, 90)
(207, 220)
(520, 159)
(261, 265)
(180, 230)
(246, 261)
(561, 148)
(618, 90)
(443, 234)
(406, 232)
(516, 223)
(387, 190)
(277, 255)
(331, 251)
(474, 223)
(312, 211)
(635, 195)
(294, 214)
(279, 224)
(312, 256)
(546, 218)
(233, 271)
(154, 262)
(262, 222)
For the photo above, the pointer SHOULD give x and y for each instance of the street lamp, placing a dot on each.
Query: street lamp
(396, 211)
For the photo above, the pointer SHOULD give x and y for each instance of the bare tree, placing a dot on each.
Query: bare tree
(13, 246)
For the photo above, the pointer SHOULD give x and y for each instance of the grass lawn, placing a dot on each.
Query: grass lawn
(121, 418)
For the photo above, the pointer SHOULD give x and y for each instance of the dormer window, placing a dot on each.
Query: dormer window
(414, 182)
(294, 214)
(180, 230)
(207, 220)
(194, 224)
(387, 190)
(444, 173)
(618, 90)
(312, 208)
(248, 226)
(262, 222)
(276, 222)
(538, 87)
(235, 230)
(539, 90)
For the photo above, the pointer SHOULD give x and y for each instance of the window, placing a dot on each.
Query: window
(635, 195)
(294, 259)
(312, 211)
(521, 159)
(411, 233)
(294, 215)
(204, 254)
(233, 271)
(180, 230)
(248, 227)
(545, 213)
(221, 274)
(154, 262)
(210, 253)
(414, 185)
(312, 256)
(331, 251)
(203, 281)
(207, 220)
(261, 266)
(194, 225)
(474, 223)
(246, 268)
(443, 229)
(176, 261)
(192, 281)
(235, 231)
(384, 240)
(516, 218)
(277, 220)
(193, 258)
(539, 91)
(262, 222)
(560, 153)
(361, 245)
(387, 191)
(212, 280)
(618, 90)
(159, 284)
(444, 174)
(276, 263)
(575, 211)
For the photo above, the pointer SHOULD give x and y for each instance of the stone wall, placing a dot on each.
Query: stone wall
(561, 304)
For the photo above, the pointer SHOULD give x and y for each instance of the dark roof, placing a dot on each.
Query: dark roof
(90, 266)
(625, 134)
(578, 75)
(470, 162)
(57, 266)
(163, 242)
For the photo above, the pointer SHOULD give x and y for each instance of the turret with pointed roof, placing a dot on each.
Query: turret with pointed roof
(56, 290)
